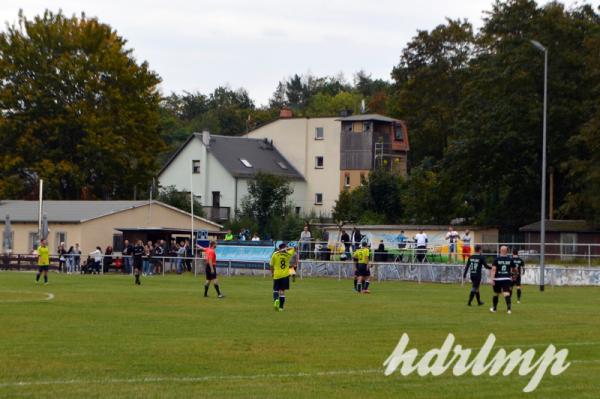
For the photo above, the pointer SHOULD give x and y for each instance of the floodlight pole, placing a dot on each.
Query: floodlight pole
(540, 47)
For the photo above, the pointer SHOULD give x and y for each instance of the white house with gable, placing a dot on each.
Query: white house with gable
(217, 170)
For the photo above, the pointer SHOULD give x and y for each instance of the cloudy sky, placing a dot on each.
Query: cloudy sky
(199, 45)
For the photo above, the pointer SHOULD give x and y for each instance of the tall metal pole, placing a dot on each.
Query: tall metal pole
(543, 204)
(41, 198)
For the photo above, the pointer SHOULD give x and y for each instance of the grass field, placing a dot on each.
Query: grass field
(101, 336)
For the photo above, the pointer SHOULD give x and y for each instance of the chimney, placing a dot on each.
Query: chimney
(206, 138)
(286, 112)
(346, 112)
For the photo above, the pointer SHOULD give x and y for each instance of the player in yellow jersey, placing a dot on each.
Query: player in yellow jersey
(362, 258)
(280, 269)
(43, 261)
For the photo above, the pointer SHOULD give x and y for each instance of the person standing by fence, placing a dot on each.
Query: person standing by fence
(77, 258)
(43, 261)
(466, 245)
(97, 258)
(70, 261)
(61, 251)
(127, 251)
(138, 252)
(305, 238)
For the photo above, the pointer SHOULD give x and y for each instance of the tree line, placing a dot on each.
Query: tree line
(77, 109)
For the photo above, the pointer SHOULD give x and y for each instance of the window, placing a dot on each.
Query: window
(366, 126)
(399, 133)
(282, 165)
(363, 179)
(245, 162)
(33, 240)
(357, 127)
(347, 180)
(196, 166)
(297, 210)
(319, 162)
(318, 198)
(117, 242)
(61, 236)
(319, 133)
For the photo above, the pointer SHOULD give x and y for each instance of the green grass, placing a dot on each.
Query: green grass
(101, 336)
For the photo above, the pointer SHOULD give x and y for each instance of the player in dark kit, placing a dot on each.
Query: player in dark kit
(138, 252)
(503, 269)
(520, 268)
(474, 267)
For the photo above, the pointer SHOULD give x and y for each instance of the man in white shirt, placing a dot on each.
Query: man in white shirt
(421, 241)
(452, 236)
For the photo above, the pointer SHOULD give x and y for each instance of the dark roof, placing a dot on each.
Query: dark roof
(368, 117)
(571, 226)
(73, 211)
(260, 153)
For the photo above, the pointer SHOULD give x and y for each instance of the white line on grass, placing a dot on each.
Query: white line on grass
(209, 377)
(190, 379)
(49, 297)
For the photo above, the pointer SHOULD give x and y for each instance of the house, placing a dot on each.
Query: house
(94, 223)
(334, 153)
(566, 239)
(218, 169)
(312, 146)
(369, 141)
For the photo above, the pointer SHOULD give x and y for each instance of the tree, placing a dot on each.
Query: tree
(267, 202)
(76, 109)
(428, 82)
(179, 199)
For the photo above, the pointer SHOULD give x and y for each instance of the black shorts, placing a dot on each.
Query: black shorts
(209, 274)
(475, 281)
(502, 286)
(43, 268)
(281, 284)
(517, 281)
(363, 270)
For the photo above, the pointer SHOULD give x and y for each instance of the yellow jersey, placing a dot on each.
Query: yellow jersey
(43, 256)
(280, 263)
(362, 255)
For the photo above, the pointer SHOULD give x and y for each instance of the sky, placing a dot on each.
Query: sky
(200, 45)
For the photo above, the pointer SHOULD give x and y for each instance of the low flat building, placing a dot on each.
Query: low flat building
(92, 223)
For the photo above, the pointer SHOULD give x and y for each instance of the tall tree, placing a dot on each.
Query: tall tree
(76, 110)
(428, 81)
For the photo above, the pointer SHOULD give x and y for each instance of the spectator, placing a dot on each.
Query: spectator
(180, 257)
(77, 258)
(380, 254)
(173, 255)
(421, 241)
(189, 254)
(305, 238)
(70, 260)
(466, 245)
(61, 251)
(159, 252)
(345, 239)
(96, 259)
(108, 259)
(255, 237)
(452, 236)
(401, 240)
(229, 236)
(147, 258)
(356, 238)
(127, 252)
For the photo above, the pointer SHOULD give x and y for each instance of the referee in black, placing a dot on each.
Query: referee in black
(474, 267)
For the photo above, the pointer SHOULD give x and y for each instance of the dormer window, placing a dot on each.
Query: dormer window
(245, 162)
(398, 133)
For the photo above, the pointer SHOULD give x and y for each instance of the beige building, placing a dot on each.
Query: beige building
(312, 146)
(93, 223)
